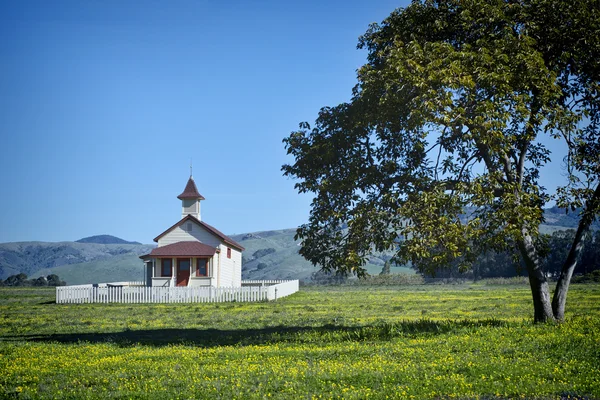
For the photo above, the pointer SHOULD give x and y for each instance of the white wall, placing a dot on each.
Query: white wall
(190, 206)
(231, 268)
(195, 281)
(180, 234)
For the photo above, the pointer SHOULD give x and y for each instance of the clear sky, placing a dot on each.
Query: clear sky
(104, 103)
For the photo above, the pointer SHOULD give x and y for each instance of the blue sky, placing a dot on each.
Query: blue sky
(104, 103)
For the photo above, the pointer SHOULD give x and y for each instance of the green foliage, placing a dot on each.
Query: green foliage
(446, 115)
(261, 266)
(263, 252)
(16, 280)
(592, 277)
(335, 342)
(21, 280)
(389, 280)
(54, 280)
(323, 277)
(558, 246)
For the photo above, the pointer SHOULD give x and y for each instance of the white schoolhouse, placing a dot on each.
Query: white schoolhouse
(193, 253)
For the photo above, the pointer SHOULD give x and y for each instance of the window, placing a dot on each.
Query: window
(189, 226)
(228, 252)
(166, 264)
(202, 268)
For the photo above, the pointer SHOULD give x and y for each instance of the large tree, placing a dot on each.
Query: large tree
(448, 113)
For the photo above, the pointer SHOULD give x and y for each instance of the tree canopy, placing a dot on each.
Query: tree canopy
(448, 113)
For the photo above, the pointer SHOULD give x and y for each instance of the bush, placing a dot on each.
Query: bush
(54, 280)
(21, 280)
(322, 277)
(592, 277)
(16, 280)
(515, 280)
(263, 252)
(41, 281)
(390, 280)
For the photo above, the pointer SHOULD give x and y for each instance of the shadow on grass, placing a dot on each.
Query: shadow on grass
(277, 334)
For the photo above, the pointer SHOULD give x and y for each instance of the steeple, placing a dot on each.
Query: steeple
(190, 199)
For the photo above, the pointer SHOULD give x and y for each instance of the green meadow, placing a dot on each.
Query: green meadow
(469, 341)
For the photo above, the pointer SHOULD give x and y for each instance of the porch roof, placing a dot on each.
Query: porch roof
(182, 249)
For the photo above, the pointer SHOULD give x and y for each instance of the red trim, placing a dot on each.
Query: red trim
(206, 226)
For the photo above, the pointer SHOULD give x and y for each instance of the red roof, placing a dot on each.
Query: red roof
(190, 191)
(226, 239)
(183, 249)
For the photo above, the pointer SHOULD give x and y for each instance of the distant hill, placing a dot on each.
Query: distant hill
(268, 255)
(559, 217)
(30, 257)
(126, 267)
(274, 255)
(104, 239)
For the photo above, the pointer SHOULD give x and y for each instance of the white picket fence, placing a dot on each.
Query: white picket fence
(125, 293)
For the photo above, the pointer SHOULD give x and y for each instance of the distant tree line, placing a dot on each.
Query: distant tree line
(21, 280)
(503, 265)
(553, 250)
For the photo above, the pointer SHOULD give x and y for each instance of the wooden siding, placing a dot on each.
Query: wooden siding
(231, 268)
(202, 281)
(190, 206)
(179, 234)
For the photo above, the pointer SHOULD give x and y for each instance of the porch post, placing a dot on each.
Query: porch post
(219, 269)
(153, 265)
(190, 277)
(173, 271)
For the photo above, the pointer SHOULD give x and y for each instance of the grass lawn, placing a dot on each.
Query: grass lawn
(355, 342)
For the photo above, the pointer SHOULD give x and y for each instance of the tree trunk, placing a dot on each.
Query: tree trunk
(562, 286)
(542, 307)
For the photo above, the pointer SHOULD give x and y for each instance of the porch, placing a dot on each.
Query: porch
(182, 264)
(180, 272)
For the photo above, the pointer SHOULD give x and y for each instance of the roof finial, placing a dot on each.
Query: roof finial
(190, 167)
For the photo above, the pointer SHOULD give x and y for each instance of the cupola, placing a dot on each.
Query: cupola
(190, 200)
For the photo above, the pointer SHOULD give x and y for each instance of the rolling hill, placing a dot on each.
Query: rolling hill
(105, 239)
(104, 258)
(126, 267)
(274, 255)
(31, 257)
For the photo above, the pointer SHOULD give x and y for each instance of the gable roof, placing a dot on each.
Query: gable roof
(190, 191)
(188, 249)
(226, 239)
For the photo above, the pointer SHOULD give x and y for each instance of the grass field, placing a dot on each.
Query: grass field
(355, 342)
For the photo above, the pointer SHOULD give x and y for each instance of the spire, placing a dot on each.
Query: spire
(190, 191)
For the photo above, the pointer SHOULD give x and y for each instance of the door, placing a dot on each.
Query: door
(183, 271)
